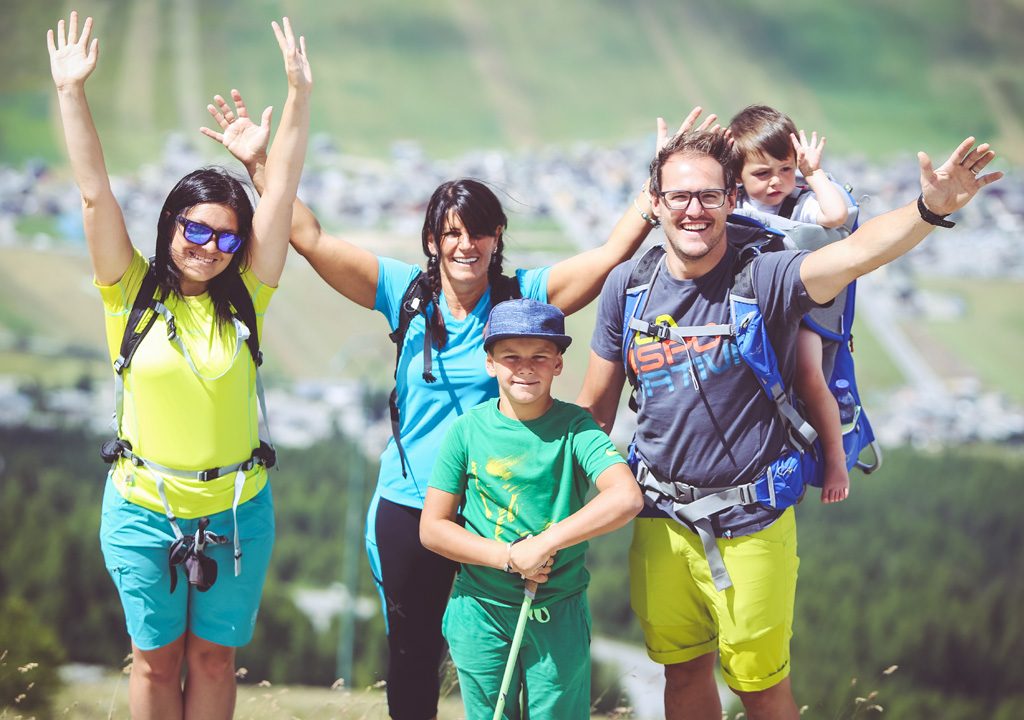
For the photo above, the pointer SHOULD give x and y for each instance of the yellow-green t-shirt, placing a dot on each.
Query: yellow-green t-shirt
(176, 417)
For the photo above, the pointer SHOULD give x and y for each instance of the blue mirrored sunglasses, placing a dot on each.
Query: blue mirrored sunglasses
(200, 234)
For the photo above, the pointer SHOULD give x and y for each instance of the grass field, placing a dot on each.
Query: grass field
(877, 78)
(107, 698)
(990, 337)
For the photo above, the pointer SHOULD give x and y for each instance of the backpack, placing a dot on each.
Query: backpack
(416, 301)
(143, 314)
(781, 484)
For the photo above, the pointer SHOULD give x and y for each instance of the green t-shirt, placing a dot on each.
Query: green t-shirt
(518, 478)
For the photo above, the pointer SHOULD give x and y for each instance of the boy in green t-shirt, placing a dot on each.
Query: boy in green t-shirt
(519, 469)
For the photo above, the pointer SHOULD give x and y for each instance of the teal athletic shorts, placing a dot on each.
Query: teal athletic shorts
(683, 616)
(554, 657)
(135, 541)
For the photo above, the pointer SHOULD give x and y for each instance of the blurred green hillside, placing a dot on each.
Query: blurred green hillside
(876, 77)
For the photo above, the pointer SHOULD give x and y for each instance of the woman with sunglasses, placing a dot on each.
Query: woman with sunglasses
(189, 398)
(463, 241)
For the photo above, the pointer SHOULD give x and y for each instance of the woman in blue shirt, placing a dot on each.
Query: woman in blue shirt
(462, 239)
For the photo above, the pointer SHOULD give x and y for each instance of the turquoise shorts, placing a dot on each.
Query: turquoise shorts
(135, 541)
(553, 667)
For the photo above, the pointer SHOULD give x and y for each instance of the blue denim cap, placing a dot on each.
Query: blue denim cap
(525, 318)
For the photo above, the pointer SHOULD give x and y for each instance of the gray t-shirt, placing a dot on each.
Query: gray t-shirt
(724, 432)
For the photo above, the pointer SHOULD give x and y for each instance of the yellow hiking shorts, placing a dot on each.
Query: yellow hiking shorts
(683, 616)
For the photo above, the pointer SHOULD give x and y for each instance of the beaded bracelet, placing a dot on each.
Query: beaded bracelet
(653, 222)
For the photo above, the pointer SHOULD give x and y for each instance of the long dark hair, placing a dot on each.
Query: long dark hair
(216, 186)
(481, 213)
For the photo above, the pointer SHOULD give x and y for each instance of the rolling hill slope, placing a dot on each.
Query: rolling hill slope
(875, 77)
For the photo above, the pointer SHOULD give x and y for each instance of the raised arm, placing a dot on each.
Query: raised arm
(273, 219)
(574, 282)
(832, 210)
(349, 269)
(72, 59)
(826, 271)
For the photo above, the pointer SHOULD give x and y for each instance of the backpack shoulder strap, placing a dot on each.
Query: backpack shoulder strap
(415, 300)
(755, 348)
(241, 301)
(789, 204)
(638, 287)
(133, 333)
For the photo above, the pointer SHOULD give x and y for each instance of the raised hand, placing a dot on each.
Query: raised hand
(808, 154)
(956, 181)
(243, 138)
(72, 56)
(296, 64)
(708, 124)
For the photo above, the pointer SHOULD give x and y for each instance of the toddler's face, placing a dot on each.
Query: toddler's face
(768, 180)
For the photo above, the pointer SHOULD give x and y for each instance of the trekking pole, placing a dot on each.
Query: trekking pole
(529, 592)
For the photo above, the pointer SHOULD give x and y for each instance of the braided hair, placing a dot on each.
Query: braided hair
(481, 214)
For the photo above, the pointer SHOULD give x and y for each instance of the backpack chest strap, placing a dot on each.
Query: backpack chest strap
(681, 334)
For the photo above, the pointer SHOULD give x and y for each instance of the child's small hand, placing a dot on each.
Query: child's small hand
(532, 558)
(808, 154)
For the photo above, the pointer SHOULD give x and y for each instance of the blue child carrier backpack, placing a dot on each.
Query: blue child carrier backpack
(835, 326)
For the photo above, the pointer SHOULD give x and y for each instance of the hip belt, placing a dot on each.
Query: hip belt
(779, 485)
(263, 455)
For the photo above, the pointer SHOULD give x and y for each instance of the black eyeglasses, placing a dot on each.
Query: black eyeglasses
(680, 199)
(200, 234)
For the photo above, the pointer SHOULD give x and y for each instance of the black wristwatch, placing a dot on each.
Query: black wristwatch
(931, 218)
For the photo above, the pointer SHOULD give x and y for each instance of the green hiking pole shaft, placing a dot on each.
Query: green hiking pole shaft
(529, 592)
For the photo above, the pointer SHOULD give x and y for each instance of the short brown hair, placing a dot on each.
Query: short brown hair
(761, 130)
(697, 144)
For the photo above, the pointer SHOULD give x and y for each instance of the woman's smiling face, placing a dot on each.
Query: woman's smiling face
(201, 263)
(464, 257)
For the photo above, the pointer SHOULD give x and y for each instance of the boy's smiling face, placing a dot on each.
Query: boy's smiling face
(768, 180)
(525, 368)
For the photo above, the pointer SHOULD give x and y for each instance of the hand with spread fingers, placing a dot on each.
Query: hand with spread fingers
(949, 187)
(243, 138)
(808, 152)
(72, 56)
(707, 125)
(296, 64)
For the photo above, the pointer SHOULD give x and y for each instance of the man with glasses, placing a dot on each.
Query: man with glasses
(705, 427)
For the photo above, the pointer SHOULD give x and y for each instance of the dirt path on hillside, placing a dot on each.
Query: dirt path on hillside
(510, 104)
(188, 83)
(1010, 142)
(691, 52)
(667, 48)
(135, 89)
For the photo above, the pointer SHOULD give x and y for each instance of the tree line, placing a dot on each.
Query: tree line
(922, 568)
